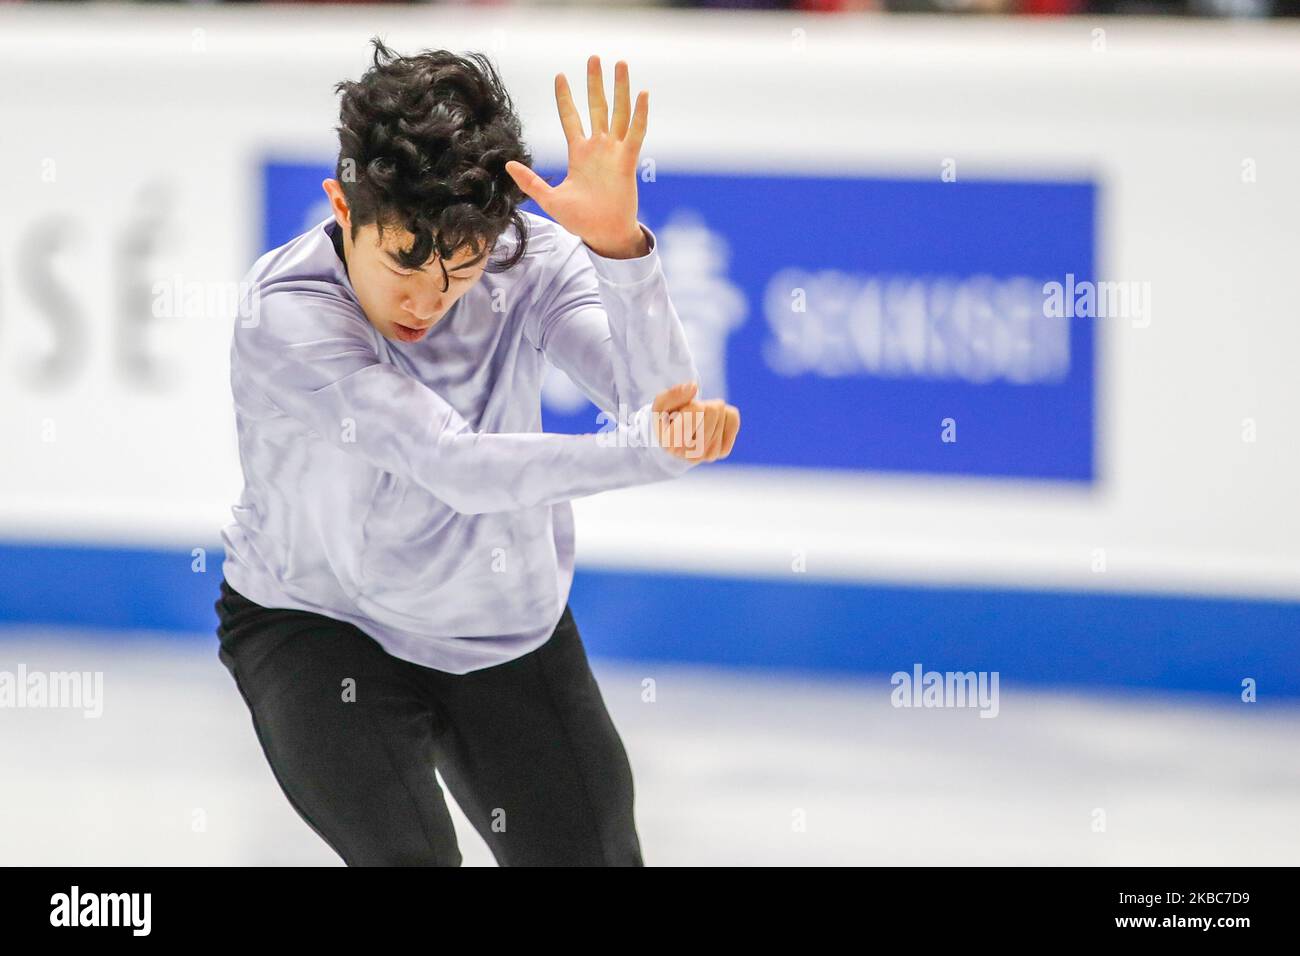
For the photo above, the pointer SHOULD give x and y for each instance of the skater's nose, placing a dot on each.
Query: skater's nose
(424, 304)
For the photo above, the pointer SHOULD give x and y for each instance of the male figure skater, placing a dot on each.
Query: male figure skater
(397, 574)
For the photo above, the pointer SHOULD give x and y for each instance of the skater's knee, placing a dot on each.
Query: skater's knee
(386, 851)
(404, 856)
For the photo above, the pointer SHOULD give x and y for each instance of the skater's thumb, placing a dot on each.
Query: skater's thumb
(671, 399)
(529, 183)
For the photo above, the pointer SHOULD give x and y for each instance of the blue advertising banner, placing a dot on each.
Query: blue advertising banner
(860, 323)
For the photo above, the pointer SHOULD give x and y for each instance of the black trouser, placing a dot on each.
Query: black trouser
(353, 735)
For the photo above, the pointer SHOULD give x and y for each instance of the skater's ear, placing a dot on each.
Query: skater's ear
(342, 215)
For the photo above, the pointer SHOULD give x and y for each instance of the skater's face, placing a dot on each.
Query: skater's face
(402, 303)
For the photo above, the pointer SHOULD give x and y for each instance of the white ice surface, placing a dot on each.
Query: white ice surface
(730, 767)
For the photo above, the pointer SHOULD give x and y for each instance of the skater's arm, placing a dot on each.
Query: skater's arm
(610, 325)
(316, 360)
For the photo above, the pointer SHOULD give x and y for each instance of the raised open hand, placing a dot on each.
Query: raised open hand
(597, 201)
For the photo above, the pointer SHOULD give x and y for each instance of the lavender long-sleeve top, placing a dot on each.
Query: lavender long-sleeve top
(408, 487)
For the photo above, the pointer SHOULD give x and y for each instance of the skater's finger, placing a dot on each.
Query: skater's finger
(714, 420)
(671, 428)
(622, 101)
(699, 419)
(598, 107)
(570, 122)
(730, 429)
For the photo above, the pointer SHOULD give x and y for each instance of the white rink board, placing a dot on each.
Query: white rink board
(142, 109)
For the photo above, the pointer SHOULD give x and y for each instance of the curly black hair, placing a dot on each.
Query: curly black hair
(423, 144)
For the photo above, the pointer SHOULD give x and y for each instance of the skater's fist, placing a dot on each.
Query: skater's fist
(695, 430)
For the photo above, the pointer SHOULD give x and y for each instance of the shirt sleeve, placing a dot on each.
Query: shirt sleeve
(610, 326)
(316, 360)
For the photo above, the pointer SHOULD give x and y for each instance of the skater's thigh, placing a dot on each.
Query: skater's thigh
(533, 758)
(348, 731)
